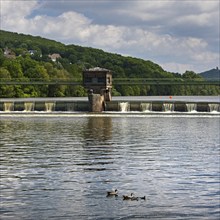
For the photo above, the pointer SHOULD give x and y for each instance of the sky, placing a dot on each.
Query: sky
(178, 35)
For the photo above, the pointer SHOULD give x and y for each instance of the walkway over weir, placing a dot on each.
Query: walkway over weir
(116, 81)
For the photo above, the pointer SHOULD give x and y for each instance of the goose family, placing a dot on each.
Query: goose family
(125, 197)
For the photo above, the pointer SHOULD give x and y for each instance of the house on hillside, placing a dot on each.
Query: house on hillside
(32, 52)
(54, 56)
(8, 53)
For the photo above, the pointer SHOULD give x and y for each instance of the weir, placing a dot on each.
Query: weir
(191, 107)
(61, 105)
(49, 106)
(70, 107)
(146, 107)
(168, 107)
(124, 107)
(214, 107)
(8, 106)
(29, 106)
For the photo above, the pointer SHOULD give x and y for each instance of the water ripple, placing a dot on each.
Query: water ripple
(57, 168)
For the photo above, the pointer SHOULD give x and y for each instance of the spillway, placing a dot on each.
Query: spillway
(143, 104)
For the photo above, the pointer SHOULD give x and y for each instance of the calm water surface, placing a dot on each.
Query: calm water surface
(61, 167)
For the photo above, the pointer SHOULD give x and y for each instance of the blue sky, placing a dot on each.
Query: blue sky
(179, 35)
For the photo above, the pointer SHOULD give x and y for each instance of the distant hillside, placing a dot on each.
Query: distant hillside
(29, 58)
(82, 56)
(213, 74)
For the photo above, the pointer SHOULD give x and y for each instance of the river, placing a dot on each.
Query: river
(55, 167)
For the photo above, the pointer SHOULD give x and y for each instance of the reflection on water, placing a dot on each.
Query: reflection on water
(98, 128)
(61, 168)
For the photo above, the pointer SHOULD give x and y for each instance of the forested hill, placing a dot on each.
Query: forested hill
(83, 57)
(25, 57)
(213, 74)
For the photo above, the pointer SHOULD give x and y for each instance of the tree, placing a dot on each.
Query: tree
(6, 91)
(76, 91)
(58, 90)
(191, 75)
(126, 90)
(14, 67)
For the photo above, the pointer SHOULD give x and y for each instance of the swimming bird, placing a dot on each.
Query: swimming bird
(143, 197)
(127, 197)
(112, 193)
(134, 198)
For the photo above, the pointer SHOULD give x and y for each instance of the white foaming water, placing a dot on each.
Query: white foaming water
(214, 107)
(191, 107)
(8, 106)
(54, 114)
(28, 106)
(146, 107)
(168, 107)
(124, 106)
(49, 106)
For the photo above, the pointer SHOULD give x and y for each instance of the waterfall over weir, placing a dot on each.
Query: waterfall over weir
(191, 107)
(49, 106)
(8, 106)
(28, 106)
(124, 106)
(168, 107)
(214, 107)
(146, 107)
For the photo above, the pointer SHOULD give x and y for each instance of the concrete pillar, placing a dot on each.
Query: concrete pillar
(96, 102)
(107, 94)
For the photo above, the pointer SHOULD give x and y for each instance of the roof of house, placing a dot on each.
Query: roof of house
(54, 56)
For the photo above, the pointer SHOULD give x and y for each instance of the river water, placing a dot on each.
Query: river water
(56, 167)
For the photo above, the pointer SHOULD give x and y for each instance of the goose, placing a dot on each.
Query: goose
(127, 197)
(112, 193)
(134, 198)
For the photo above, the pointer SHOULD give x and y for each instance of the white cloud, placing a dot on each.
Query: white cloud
(173, 52)
(178, 67)
(17, 9)
(14, 13)
(148, 10)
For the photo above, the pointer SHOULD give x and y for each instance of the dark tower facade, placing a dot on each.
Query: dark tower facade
(98, 82)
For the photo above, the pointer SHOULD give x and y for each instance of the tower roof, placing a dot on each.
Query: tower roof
(97, 69)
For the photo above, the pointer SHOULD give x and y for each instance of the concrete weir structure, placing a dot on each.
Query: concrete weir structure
(162, 106)
(119, 104)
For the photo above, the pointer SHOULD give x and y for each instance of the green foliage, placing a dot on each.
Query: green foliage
(191, 75)
(32, 63)
(5, 91)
